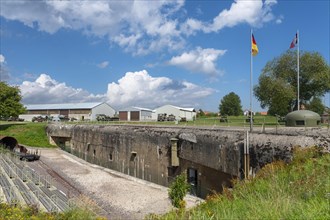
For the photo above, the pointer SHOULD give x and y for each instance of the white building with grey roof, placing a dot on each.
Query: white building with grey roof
(179, 112)
(79, 111)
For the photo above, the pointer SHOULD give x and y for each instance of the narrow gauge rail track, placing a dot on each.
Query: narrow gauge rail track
(65, 185)
(60, 181)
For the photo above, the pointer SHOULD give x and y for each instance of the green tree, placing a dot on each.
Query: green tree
(200, 113)
(231, 105)
(10, 101)
(316, 105)
(277, 88)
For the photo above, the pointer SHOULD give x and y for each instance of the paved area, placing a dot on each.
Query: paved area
(120, 196)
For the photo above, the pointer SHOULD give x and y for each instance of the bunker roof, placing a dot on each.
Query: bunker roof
(303, 114)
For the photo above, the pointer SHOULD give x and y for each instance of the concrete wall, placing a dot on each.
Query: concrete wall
(146, 152)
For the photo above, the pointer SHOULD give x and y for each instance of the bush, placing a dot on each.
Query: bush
(177, 191)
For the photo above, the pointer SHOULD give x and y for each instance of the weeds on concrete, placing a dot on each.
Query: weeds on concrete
(178, 190)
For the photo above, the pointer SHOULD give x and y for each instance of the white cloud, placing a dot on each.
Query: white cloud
(140, 27)
(4, 73)
(133, 89)
(141, 89)
(199, 11)
(199, 60)
(47, 90)
(280, 19)
(2, 58)
(103, 65)
(134, 24)
(254, 13)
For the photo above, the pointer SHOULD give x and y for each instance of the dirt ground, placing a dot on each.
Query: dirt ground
(118, 195)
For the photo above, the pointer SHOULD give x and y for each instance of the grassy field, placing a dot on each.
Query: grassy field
(300, 190)
(30, 134)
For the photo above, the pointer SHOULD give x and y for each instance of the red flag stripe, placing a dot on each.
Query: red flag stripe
(253, 40)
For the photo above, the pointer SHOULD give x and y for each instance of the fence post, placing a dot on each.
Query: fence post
(264, 125)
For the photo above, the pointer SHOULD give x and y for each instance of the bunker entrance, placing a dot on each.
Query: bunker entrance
(9, 142)
(62, 142)
(192, 180)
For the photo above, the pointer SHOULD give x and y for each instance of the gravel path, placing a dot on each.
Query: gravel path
(121, 196)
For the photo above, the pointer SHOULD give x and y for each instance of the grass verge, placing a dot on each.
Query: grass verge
(30, 134)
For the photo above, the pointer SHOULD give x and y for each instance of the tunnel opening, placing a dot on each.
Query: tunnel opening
(9, 142)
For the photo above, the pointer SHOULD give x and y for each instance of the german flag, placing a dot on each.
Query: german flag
(255, 50)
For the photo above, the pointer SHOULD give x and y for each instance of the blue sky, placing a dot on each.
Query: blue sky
(150, 53)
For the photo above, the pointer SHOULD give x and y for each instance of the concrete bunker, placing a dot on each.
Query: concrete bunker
(210, 157)
(302, 118)
(154, 154)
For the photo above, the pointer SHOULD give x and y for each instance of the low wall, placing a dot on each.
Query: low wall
(210, 157)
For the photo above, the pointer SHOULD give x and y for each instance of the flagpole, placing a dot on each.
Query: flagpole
(251, 65)
(298, 69)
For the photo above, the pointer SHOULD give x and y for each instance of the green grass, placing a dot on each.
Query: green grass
(30, 134)
(300, 190)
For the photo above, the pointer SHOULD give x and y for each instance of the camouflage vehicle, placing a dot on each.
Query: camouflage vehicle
(103, 117)
(171, 117)
(161, 117)
(39, 118)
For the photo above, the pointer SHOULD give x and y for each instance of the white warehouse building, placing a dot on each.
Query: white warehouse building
(178, 112)
(79, 111)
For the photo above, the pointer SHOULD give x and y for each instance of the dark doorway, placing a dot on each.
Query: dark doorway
(123, 116)
(135, 116)
(192, 180)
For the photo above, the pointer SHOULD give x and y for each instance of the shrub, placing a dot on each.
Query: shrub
(177, 191)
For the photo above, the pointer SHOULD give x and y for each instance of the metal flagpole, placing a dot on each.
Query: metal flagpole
(251, 121)
(298, 42)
